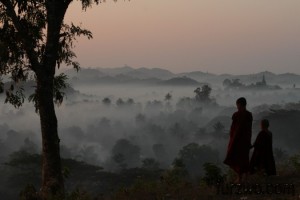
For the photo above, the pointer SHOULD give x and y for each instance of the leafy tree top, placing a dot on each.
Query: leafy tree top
(32, 43)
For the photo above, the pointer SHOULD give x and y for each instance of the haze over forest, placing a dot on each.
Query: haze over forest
(117, 117)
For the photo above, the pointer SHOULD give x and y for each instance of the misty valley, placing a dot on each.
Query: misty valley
(127, 132)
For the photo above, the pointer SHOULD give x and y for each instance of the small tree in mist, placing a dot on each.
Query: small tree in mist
(177, 173)
(227, 82)
(125, 153)
(168, 97)
(219, 129)
(140, 119)
(203, 94)
(194, 156)
(150, 164)
(120, 102)
(34, 41)
(213, 174)
(178, 132)
(130, 102)
(234, 83)
(154, 105)
(120, 160)
(106, 101)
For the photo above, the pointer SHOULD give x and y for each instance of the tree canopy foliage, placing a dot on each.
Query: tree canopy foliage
(28, 43)
(34, 42)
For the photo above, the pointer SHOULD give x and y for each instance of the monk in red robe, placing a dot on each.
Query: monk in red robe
(239, 144)
(262, 158)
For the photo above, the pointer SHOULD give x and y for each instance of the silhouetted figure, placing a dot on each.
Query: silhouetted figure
(240, 140)
(262, 158)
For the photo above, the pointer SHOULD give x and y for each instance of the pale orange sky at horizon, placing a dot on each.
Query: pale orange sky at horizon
(215, 36)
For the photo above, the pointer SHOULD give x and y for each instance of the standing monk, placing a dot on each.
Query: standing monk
(262, 157)
(240, 140)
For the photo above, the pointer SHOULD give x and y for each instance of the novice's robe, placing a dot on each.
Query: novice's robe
(240, 142)
(262, 157)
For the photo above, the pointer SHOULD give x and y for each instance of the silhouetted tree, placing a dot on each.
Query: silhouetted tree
(36, 41)
(194, 156)
(213, 174)
(120, 160)
(168, 97)
(168, 106)
(264, 82)
(150, 164)
(106, 101)
(120, 102)
(129, 151)
(178, 132)
(105, 123)
(236, 83)
(130, 101)
(140, 119)
(227, 82)
(219, 129)
(203, 94)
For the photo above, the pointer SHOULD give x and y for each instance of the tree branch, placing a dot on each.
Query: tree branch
(32, 55)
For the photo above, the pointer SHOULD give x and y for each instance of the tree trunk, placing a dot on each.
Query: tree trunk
(52, 179)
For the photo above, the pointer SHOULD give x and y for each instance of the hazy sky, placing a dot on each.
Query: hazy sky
(220, 36)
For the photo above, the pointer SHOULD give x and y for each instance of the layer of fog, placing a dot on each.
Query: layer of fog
(89, 129)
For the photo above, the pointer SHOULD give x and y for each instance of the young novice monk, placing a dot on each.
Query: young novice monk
(262, 158)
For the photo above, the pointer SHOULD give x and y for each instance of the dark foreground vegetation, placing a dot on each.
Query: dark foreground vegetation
(21, 177)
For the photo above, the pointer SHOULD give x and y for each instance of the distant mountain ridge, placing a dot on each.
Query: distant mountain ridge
(180, 81)
(141, 73)
(128, 74)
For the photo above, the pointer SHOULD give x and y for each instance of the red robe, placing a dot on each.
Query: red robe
(240, 142)
(262, 157)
